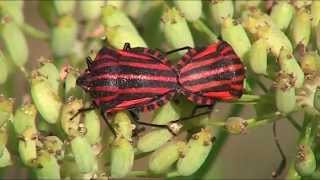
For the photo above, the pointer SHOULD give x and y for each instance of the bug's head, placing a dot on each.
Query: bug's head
(84, 81)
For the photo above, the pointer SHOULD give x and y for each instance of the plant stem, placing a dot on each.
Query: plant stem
(32, 31)
(202, 27)
(139, 174)
(252, 123)
(294, 123)
(248, 99)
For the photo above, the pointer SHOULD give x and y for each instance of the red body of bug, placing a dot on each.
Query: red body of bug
(211, 73)
(138, 79)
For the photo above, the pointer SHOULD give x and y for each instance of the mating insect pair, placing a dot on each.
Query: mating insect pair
(142, 79)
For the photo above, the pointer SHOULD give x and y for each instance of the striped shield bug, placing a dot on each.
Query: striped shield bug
(135, 79)
(211, 73)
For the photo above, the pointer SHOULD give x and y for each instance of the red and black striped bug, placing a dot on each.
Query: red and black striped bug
(210, 74)
(136, 79)
(141, 79)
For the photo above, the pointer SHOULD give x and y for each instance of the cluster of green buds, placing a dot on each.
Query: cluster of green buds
(41, 130)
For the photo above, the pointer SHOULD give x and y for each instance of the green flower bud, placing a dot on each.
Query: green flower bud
(27, 147)
(45, 98)
(285, 93)
(317, 36)
(236, 125)
(316, 101)
(235, 35)
(83, 154)
(54, 146)
(219, 10)
(47, 167)
(70, 170)
(191, 10)
(281, 14)
(292, 173)
(4, 69)
(113, 17)
(116, 3)
(153, 140)
(255, 20)
(168, 112)
(5, 159)
(122, 156)
(117, 36)
(176, 30)
(261, 26)
(258, 58)
(72, 127)
(162, 159)
(241, 6)
(3, 138)
(91, 10)
(43, 126)
(71, 88)
(6, 109)
(24, 118)
(305, 160)
(14, 42)
(300, 28)
(64, 7)
(135, 9)
(12, 9)
(289, 65)
(63, 36)
(310, 62)
(122, 125)
(93, 126)
(301, 4)
(47, 11)
(315, 13)
(196, 152)
(308, 96)
(50, 71)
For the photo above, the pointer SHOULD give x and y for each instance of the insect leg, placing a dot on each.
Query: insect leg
(82, 110)
(193, 113)
(136, 119)
(108, 123)
(126, 46)
(179, 49)
(283, 162)
(135, 116)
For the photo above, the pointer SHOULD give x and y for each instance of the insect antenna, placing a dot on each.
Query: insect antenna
(82, 110)
(193, 113)
(283, 162)
(89, 61)
(179, 49)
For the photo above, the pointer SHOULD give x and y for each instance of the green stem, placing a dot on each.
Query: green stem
(247, 99)
(140, 174)
(294, 123)
(253, 123)
(32, 31)
(262, 86)
(202, 27)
